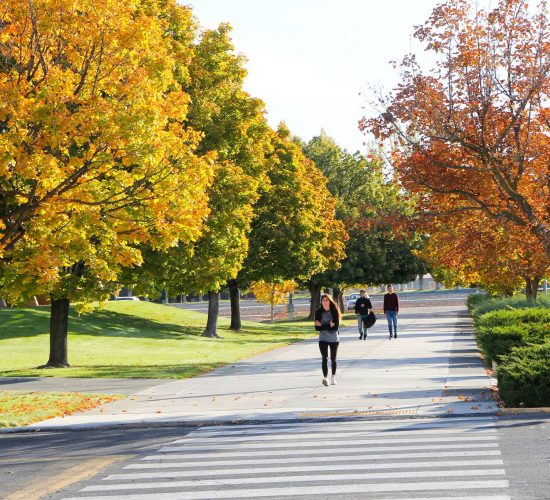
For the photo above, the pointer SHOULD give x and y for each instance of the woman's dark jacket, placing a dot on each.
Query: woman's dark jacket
(335, 320)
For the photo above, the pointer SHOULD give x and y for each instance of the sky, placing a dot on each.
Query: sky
(308, 60)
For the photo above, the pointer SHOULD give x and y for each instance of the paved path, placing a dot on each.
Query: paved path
(432, 369)
(126, 386)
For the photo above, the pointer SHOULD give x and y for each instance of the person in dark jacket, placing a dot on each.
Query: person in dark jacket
(391, 310)
(327, 322)
(363, 306)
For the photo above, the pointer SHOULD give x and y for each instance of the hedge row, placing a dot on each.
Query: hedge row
(481, 303)
(519, 340)
(496, 341)
(524, 376)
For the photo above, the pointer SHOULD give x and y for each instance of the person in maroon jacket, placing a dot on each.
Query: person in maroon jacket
(391, 310)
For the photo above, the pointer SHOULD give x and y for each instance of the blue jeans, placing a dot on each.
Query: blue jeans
(391, 316)
(361, 324)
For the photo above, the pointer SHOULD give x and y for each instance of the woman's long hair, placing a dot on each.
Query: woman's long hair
(333, 305)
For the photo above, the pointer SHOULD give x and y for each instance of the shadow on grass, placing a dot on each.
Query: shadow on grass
(33, 321)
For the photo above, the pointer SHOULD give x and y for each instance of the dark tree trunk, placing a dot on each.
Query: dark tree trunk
(235, 299)
(213, 310)
(339, 297)
(315, 300)
(59, 325)
(531, 288)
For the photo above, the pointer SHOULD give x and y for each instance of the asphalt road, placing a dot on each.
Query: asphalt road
(36, 465)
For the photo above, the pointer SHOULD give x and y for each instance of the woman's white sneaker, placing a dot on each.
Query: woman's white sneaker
(325, 381)
(333, 380)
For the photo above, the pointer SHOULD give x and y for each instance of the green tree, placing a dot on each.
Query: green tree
(235, 138)
(375, 253)
(294, 233)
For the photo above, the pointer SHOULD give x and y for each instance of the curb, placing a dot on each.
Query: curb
(244, 421)
(522, 411)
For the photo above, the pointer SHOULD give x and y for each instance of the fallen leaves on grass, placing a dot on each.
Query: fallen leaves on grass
(22, 408)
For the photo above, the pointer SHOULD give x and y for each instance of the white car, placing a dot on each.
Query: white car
(125, 298)
(352, 299)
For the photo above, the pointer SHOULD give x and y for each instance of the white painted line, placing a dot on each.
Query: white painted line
(308, 490)
(484, 497)
(326, 477)
(344, 427)
(470, 424)
(275, 442)
(233, 469)
(292, 479)
(333, 458)
(328, 431)
(378, 438)
(298, 447)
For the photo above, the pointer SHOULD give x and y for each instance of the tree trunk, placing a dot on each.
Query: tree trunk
(531, 288)
(213, 310)
(235, 299)
(338, 296)
(3, 302)
(59, 325)
(315, 300)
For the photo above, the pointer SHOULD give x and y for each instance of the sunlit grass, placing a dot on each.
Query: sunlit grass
(18, 408)
(135, 339)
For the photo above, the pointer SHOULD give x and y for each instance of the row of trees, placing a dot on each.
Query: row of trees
(470, 140)
(130, 154)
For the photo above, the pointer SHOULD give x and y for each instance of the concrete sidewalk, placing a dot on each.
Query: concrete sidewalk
(432, 369)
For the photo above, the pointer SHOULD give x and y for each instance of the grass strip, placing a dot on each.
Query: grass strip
(19, 408)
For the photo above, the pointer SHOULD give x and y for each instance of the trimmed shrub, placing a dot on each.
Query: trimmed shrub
(513, 317)
(480, 307)
(496, 341)
(524, 376)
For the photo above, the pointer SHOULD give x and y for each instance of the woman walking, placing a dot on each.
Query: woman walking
(327, 322)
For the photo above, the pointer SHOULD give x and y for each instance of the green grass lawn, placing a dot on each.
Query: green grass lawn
(135, 339)
(18, 408)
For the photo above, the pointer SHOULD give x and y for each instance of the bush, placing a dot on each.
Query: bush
(480, 304)
(513, 317)
(524, 376)
(496, 341)
(475, 300)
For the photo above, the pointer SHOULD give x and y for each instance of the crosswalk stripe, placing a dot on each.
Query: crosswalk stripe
(413, 459)
(337, 435)
(311, 448)
(220, 446)
(411, 426)
(308, 490)
(330, 467)
(484, 497)
(282, 479)
(382, 424)
(333, 458)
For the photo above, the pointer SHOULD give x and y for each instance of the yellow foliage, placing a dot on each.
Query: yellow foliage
(94, 154)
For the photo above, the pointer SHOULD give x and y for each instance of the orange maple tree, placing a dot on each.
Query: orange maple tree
(472, 135)
(471, 250)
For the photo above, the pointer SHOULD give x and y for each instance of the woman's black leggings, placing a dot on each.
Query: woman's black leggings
(323, 347)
